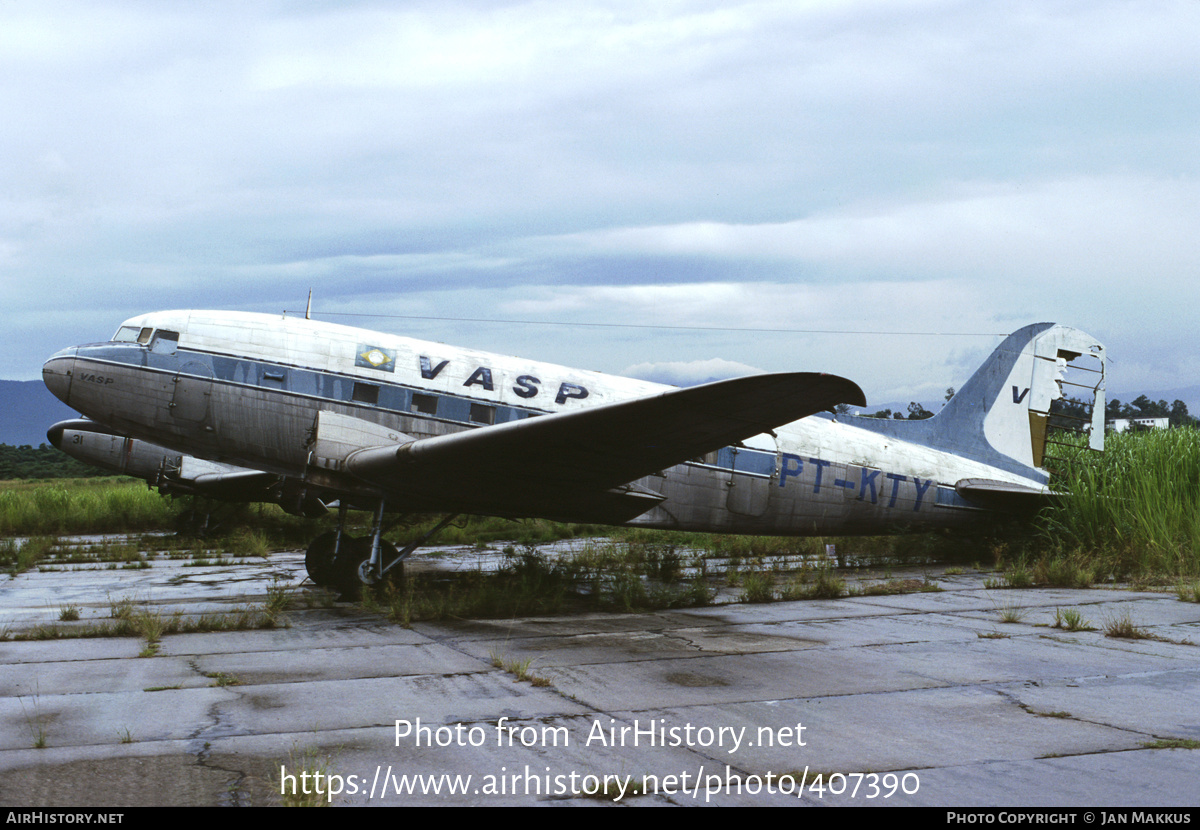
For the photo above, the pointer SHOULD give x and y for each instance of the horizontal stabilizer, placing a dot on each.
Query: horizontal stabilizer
(1005, 496)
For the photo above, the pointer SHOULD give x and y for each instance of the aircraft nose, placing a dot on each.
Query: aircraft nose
(57, 372)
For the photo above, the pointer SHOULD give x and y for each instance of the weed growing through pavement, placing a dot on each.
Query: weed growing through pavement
(1011, 614)
(304, 779)
(757, 586)
(220, 678)
(1173, 743)
(36, 722)
(520, 669)
(1188, 592)
(1071, 619)
(1122, 627)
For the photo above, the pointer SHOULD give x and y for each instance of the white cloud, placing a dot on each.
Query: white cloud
(853, 166)
(1080, 229)
(691, 372)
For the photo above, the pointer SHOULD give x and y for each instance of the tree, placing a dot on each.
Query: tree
(916, 412)
(1179, 415)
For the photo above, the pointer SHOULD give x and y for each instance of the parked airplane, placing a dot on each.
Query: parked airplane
(398, 425)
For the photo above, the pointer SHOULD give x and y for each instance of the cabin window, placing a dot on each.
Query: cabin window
(424, 404)
(366, 393)
(483, 414)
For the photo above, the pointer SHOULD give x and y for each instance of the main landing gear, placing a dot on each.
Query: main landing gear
(345, 563)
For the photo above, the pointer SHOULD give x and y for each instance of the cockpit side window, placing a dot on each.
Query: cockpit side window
(165, 342)
(144, 335)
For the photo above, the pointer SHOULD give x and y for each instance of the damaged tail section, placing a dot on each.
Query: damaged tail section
(1009, 406)
(1041, 379)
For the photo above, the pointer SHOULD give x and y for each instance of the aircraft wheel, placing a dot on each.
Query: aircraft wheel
(354, 567)
(318, 559)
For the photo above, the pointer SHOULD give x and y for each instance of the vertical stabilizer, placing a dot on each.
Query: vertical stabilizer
(1008, 406)
(1006, 414)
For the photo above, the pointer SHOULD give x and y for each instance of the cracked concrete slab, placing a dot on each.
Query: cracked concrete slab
(732, 704)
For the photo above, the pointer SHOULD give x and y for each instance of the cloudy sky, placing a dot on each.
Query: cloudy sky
(876, 188)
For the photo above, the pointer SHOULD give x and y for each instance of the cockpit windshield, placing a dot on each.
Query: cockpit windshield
(133, 334)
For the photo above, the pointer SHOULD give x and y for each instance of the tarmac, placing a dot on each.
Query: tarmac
(909, 699)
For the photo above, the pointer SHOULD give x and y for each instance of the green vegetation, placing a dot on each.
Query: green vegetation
(16, 558)
(1123, 627)
(1132, 512)
(35, 722)
(129, 621)
(41, 462)
(1143, 407)
(758, 586)
(1071, 619)
(623, 577)
(819, 583)
(90, 505)
(307, 782)
(1173, 743)
(1188, 592)
(522, 670)
(1012, 614)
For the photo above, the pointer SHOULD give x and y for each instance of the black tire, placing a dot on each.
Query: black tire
(353, 562)
(318, 559)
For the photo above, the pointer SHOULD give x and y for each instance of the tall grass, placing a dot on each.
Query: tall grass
(1136, 509)
(86, 505)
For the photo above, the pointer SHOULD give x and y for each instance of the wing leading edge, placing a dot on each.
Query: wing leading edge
(558, 464)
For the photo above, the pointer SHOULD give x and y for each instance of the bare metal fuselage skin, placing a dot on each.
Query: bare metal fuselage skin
(248, 389)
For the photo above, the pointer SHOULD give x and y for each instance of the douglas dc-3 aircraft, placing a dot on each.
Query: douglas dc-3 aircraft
(396, 425)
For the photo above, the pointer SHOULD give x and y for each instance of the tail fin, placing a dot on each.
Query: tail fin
(1001, 416)
(1004, 409)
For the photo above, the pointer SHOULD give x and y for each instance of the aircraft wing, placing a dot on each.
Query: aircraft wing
(234, 484)
(175, 473)
(574, 459)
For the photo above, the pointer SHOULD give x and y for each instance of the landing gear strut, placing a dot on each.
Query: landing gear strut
(318, 559)
(321, 557)
(337, 560)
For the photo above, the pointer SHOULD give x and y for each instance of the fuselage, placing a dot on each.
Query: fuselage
(246, 389)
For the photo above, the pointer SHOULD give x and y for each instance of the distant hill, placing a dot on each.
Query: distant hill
(27, 410)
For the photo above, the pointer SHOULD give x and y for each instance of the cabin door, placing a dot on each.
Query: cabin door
(193, 389)
(751, 474)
